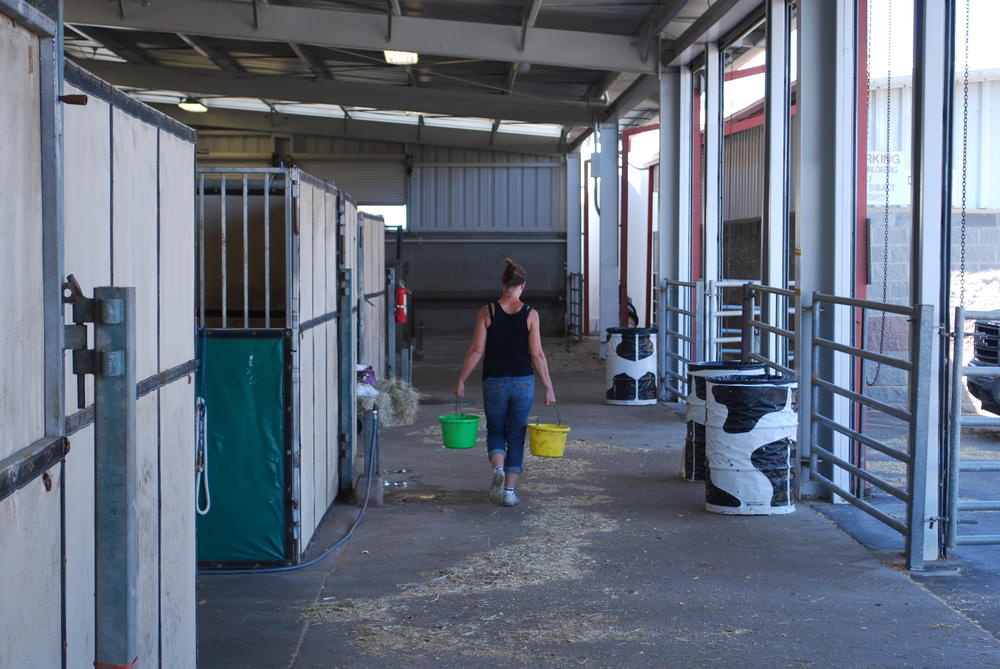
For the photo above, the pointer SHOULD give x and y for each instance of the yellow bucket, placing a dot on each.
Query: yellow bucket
(547, 440)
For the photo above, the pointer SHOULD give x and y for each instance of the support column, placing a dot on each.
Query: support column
(933, 64)
(674, 211)
(574, 211)
(774, 242)
(825, 211)
(712, 185)
(607, 171)
(574, 232)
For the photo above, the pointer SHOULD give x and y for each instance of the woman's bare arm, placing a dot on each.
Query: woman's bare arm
(538, 360)
(475, 353)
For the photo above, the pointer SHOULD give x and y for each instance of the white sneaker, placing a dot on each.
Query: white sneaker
(509, 498)
(496, 489)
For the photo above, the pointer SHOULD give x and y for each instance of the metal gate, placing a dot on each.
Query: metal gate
(955, 465)
(680, 320)
(766, 336)
(822, 430)
(574, 307)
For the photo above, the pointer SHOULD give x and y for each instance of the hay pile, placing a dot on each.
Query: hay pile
(397, 402)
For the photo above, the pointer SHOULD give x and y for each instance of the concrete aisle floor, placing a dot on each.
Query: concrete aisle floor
(609, 561)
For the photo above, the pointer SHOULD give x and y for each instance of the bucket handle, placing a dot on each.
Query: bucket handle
(558, 417)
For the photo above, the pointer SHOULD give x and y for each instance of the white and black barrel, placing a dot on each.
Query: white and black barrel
(694, 441)
(631, 366)
(750, 444)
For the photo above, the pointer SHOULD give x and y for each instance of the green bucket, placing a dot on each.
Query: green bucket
(458, 430)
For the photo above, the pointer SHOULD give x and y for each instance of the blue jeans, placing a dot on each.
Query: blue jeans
(507, 402)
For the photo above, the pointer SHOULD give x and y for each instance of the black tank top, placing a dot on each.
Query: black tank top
(507, 352)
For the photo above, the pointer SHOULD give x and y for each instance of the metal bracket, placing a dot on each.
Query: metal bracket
(86, 310)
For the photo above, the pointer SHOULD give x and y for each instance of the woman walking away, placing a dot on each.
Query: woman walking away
(507, 333)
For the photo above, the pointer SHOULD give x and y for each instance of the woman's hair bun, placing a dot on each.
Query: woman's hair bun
(513, 274)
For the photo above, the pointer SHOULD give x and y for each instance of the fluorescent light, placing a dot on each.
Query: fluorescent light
(192, 105)
(401, 57)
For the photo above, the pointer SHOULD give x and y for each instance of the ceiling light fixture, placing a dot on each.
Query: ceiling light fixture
(192, 105)
(401, 57)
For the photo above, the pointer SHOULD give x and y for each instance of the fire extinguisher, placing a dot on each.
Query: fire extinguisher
(401, 303)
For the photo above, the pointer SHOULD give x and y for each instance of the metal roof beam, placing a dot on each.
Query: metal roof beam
(298, 89)
(643, 88)
(220, 58)
(110, 42)
(248, 121)
(339, 28)
(656, 22)
(716, 22)
(315, 65)
(530, 16)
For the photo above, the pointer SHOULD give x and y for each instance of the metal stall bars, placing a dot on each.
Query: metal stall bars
(956, 422)
(823, 431)
(574, 306)
(681, 306)
(724, 308)
(773, 330)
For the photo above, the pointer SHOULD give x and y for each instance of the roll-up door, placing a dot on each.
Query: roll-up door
(379, 182)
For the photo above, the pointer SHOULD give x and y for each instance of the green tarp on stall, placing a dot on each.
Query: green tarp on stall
(242, 382)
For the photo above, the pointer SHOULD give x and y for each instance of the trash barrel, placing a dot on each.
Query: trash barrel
(694, 441)
(750, 444)
(631, 366)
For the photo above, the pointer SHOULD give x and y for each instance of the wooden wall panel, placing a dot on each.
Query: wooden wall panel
(30, 596)
(176, 255)
(134, 214)
(80, 549)
(22, 361)
(177, 520)
(148, 524)
(87, 218)
(332, 481)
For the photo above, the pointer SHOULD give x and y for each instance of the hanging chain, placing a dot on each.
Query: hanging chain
(965, 151)
(888, 157)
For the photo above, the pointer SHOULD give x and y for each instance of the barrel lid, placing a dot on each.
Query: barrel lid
(724, 366)
(632, 331)
(760, 380)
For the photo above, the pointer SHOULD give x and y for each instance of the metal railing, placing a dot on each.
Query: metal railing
(574, 306)
(681, 308)
(723, 316)
(772, 327)
(956, 422)
(819, 427)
